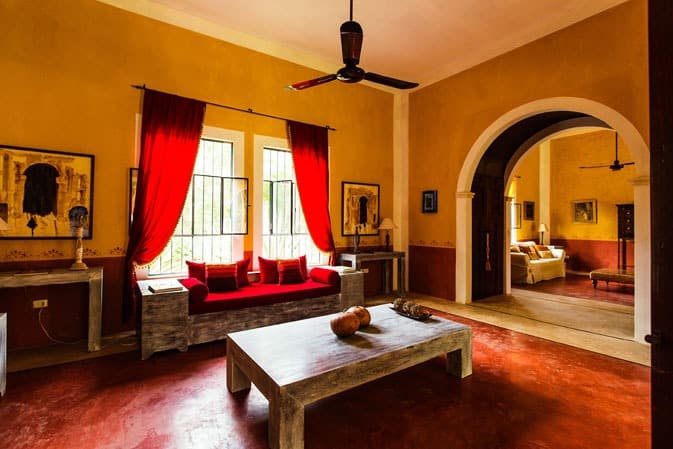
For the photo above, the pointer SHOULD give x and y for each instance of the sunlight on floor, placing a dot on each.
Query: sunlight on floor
(621, 348)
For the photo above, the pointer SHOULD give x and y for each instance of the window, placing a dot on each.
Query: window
(214, 215)
(284, 232)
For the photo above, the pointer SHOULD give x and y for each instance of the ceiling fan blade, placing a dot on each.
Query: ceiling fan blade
(388, 81)
(310, 83)
(628, 163)
(351, 42)
(594, 166)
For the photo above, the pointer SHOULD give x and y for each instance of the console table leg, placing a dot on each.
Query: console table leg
(95, 313)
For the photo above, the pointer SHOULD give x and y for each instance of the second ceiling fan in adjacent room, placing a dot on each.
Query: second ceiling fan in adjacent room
(616, 164)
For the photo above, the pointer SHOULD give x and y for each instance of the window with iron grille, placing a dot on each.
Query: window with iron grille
(284, 232)
(215, 211)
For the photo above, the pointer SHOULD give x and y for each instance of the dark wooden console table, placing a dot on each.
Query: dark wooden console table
(356, 259)
(92, 276)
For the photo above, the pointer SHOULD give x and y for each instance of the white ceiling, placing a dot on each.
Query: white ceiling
(422, 40)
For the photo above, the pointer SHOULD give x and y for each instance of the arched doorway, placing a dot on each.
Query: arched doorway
(489, 159)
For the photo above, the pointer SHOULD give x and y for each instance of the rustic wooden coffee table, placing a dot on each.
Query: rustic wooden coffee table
(297, 363)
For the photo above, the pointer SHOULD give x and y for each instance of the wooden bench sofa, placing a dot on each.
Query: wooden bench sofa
(171, 321)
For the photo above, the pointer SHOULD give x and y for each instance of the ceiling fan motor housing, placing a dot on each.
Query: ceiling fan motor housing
(351, 42)
(350, 74)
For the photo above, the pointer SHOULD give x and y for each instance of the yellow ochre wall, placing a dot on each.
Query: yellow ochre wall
(66, 67)
(570, 183)
(528, 189)
(603, 59)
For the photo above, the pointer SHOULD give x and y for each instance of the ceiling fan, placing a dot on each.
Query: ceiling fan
(351, 44)
(616, 165)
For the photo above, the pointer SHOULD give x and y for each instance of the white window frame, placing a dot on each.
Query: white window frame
(261, 142)
(237, 139)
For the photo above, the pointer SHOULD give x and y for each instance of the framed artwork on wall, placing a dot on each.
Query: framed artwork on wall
(45, 194)
(359, 207)
(585, 211)
(528, 210)
(429, 202)
(516, 215)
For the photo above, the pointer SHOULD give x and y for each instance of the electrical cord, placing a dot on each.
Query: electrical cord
(46, 332)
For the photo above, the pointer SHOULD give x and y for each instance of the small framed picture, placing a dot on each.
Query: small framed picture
(528, 210)
(585, 211)
(429, 201)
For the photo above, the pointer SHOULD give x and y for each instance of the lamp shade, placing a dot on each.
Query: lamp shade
(386, 224)
(543, 228)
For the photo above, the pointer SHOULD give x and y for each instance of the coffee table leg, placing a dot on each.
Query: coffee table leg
(236, 378)
(459, 361)
(286, 422)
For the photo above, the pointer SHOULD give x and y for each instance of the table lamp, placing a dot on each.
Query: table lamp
(387, 225)
(542, 229)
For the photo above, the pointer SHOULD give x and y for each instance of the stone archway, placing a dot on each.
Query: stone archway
(639, 153)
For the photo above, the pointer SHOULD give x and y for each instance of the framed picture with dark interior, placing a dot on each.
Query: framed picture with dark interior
(359, 208)
(46, 194)
(529, 210)
(429, 201)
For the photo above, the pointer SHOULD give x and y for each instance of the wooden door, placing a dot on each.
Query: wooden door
(661, 184)
(487, 236)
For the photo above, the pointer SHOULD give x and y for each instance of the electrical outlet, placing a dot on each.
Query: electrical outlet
(40, 303)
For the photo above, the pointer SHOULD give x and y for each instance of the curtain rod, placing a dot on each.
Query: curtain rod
(234, 108)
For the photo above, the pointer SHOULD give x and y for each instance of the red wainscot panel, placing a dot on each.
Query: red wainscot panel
(432, 271)
(587, 255)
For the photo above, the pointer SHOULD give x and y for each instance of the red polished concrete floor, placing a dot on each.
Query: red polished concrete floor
(580, 286)
(525, 393)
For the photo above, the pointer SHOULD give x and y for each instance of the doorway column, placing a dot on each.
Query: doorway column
(464, 247)
(544, 213)
(642, 258)
(506, 284)
(401, 180)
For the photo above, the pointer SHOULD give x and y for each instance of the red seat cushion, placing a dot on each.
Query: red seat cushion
(303, 266)
(198, 291)
(325, 275)
(289, 271)
(268, 271)
(258, 294)
(196, 270)
(242, 268)
(221, 277)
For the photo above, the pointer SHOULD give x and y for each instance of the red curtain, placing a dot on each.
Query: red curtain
(171, 130)
(309, 154)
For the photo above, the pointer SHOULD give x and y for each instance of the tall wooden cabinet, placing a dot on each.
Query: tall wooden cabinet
(625, 233)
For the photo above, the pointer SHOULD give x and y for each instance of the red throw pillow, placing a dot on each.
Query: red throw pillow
(221, 277)
(198, 291)
(303, 267)
(289, 272)
(196, 270)
(242, 267)
(268, 271)
(325, 275)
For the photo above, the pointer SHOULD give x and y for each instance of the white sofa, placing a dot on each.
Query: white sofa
(529, 271)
